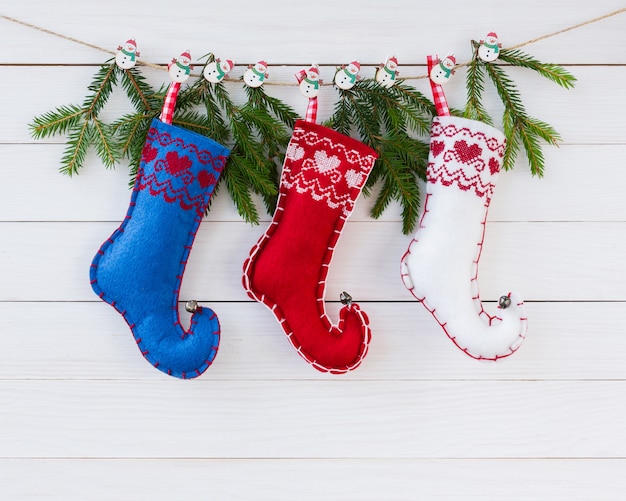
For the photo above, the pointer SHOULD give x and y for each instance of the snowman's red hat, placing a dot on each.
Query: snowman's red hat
(392, 59)
(230, 63)
(313, 69)
(262, 63)
(186, 54)
(492, 34)
(357, 64)
(451, 58)
(131, 41)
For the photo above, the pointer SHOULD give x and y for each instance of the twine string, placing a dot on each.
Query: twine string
(290, 84)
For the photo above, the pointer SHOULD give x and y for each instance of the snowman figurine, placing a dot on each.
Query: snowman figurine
(127, 55)
(217, 70)
(310, 82)
(346, 76)
(442, 71)
(489, 48)
(180, 69)
(256, 74)
(387, 73)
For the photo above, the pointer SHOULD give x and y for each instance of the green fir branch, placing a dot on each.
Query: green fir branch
(235, 179)
(257, 132)
(193, 121)
(513, 142)
(553, 72)
(78, 141)
(135, 150)
(475, 85)
(130, 133)
(388, 120)
(101, 88)
(59, 121)
(260, 100)
(82, 125)
(520, 127)
(139, 91)
(521, 130)
(543, 130)
(341, 118)
(417, 109)
(104, 143)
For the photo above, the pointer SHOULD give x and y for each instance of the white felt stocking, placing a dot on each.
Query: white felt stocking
(440, 267)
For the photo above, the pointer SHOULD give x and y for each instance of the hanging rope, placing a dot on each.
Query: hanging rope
(290, 84)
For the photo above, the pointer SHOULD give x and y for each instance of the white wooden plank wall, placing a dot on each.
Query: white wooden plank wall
(84, 417)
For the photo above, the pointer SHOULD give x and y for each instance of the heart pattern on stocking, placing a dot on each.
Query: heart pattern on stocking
(325, 163)
(177, 164)
(467, 153)
(437, 147)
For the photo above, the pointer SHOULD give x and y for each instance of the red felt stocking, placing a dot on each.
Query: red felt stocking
(322, 177)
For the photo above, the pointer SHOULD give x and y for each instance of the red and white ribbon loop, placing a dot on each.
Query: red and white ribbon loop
(439, 98)
(311, 111)
(170, 103)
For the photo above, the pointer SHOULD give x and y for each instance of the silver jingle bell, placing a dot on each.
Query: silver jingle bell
(191, 306)
(345, 298)
(504, 302)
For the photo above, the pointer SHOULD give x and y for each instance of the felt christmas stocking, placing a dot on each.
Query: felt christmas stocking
(440, 267)
(322, 176)
(139, 269)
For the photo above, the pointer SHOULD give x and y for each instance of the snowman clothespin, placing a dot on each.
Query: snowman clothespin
(309, 83)
(443, 69)
(180, 69)
(217, 70)
(387, 73)
(489, 48)
(347, 75)
(256, 74)
(127, 54)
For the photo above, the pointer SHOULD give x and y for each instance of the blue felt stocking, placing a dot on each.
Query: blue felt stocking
(139, 269)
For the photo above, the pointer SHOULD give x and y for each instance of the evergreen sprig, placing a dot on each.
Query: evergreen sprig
(521, 130)
(257, 132)
(83, 126)
(81, 123)
(388, 119)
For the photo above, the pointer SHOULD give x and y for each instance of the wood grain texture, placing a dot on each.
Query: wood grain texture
(518, 197)
(561, 108)
(84, 416)
(312, 419)
(567, 341)
(541, 260)
(266, 480)
(291, 33)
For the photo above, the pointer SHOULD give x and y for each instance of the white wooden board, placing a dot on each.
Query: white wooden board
(84, 416)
